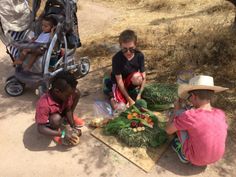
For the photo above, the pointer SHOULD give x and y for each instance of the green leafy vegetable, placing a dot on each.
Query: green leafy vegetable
(121, 128)
(159, 96)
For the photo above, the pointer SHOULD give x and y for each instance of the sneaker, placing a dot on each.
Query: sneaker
(78, 121)
(177, 147)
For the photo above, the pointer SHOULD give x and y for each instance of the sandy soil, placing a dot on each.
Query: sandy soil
(25, 153)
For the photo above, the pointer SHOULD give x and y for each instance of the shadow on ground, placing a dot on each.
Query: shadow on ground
(97, 157)
(14, 105)
(208, 11)
(34, 141)
(170, 162)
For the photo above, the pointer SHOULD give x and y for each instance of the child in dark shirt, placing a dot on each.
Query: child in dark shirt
(128, 71)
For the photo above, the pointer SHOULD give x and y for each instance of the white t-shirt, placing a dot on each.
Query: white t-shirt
(43, 38)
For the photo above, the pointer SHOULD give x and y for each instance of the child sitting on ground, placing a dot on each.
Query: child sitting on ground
(48, 26)
(55, 108)
(201, 131)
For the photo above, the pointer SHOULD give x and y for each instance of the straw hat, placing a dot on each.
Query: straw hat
(200, 82)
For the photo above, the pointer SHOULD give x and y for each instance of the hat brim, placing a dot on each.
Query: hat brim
(185, 88)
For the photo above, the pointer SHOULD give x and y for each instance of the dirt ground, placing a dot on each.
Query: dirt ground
(25, 153)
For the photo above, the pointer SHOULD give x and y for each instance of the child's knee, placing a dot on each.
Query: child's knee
(77, 93)
(55, 120)
(25, 52)
(137, 79)
(76, 96)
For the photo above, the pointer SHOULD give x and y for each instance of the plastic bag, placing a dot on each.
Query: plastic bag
(184, 76)
(121, 107)
(102, 109)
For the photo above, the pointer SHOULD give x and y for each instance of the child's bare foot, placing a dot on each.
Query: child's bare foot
(17, 62)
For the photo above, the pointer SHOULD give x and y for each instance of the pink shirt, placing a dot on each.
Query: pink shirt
(207, 132)
(46, 106)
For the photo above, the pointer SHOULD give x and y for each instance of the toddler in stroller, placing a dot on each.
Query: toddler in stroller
(48, 27)
(58, 53)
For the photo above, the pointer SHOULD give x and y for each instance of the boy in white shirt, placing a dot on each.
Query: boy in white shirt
(48, 26)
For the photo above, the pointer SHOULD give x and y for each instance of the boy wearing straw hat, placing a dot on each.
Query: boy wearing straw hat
(201, 131)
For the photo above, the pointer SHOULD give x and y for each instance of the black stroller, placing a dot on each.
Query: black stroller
(65, 38)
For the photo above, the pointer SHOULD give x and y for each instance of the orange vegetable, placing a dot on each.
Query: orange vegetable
(129, 116)
(151, 123)
(135, 114)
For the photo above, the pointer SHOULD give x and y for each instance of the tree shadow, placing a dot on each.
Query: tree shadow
(13, 105)
(34, 141)
(97, 159)
(208, 11)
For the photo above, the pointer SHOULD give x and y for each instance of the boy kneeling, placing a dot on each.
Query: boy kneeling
(54, 110)
(201, 131)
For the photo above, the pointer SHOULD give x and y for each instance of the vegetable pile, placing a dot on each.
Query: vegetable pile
(136, 127)
(159, 96)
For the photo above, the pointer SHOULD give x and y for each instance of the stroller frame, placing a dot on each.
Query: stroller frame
(40, 81)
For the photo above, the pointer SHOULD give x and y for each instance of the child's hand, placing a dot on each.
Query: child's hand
(72, 135)
(69, 131)
(53, 29)
(74, 140)
(33, 39)
(177, 104)
(131, 102)
(138, 97)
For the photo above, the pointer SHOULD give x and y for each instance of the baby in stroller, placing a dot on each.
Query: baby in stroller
(48, 27)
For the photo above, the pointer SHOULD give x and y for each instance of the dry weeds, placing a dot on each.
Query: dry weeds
(178, 35)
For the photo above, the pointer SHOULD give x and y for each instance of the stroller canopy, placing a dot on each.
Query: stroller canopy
(14, 15)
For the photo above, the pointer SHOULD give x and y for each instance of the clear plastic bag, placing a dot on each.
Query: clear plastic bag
(102, 109)
(184, 76)
(121, 107)
(102, 113)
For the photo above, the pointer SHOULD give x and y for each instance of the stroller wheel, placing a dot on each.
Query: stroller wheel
(84, 67)
(13, 87)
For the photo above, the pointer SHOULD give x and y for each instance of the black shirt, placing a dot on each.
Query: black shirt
(120, 65)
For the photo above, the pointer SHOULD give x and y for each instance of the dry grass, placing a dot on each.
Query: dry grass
(178, 35)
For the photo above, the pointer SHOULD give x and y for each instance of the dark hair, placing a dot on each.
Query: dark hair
(63, 79)
(127, 36)
(50, 19)
(203, 94)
